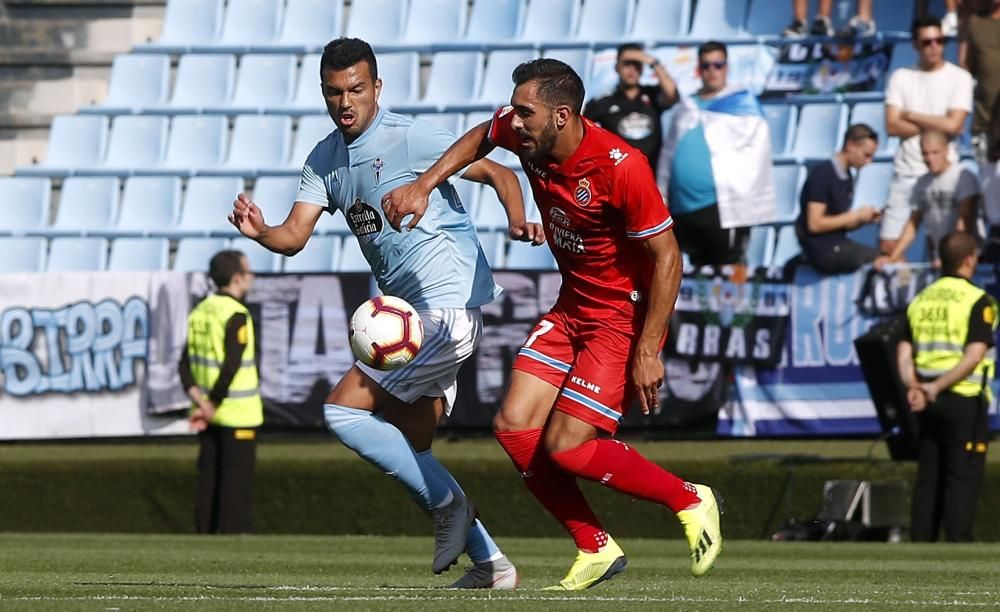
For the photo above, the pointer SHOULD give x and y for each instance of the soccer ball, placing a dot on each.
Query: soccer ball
(386, 333)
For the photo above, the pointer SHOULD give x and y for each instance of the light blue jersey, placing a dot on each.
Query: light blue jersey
(439, 264)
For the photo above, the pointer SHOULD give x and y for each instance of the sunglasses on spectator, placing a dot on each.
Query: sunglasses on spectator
(716, 65)
(926, 42)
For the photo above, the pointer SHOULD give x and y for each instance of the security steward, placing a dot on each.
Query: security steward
(946, 364)
(219, 373)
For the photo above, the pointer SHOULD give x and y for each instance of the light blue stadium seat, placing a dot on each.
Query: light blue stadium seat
(873, 114)
(78, 254)
(490, 213)
(351, 257)
(720, 19)
(193, 254)
(493, 244)
(321, 254)
(307, 27)
(275, 196)
(246, 23)
(495, 20)
(202, 81)
(75, 141)
(605, 20)
(138, 81)
(468, 193)
(429, 21)
(149, 204)
(553, 21)
(872, 185)
(87, 205)
(265, 82)
(580, 60)
(497, 84)
(137, 141)
(455, 79)
(196, 141)
(22, 255)
(207, 204)
(820, 129)
(787, 182)
(786, 247)
(781, 121)
(657, 20)
(867, 234)
(308, 95)
(261, 259)
(311, 130)
(499, 154)
(400, 74)
(24, 204)
(185, 23)
(260, 144)
(917, 251)
(766, 19)
(524, 256)
(333, 224)
(452, 122)
(138, 254)
(377, 21)
(889, 16)
(760, 249)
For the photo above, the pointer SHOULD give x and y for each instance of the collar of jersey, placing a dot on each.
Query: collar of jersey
(367, 134)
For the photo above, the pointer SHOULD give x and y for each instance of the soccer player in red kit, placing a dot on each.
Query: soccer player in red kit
(599, 346)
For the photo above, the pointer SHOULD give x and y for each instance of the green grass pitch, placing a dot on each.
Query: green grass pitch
(134, 572)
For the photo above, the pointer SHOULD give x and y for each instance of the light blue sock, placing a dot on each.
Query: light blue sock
(383, 445)
(479, 545)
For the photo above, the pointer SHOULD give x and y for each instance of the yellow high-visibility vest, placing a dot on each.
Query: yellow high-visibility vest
(206, 345)
(939, 322)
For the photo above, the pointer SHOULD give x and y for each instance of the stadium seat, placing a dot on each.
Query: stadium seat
(499, 154)
(149, 204)
(786, 247)
(554, 21)
(202, 81)
(24, 204)
(495, 21)
(260, 144)
(765, 21)
(307, 27)
(719, 19)
(781, 125)
(400, 74)
(452, 122)
(580, 60)
(872, 185)
(377, 21)
(138, 81)
(820, 129)
(261, 259)
(525, 256)
(196, 141)
(658, 20)
(873, 114)
(605, 20)
(138, 254)
(86, 206)
(264, 82)
(308, 95)
(207, 204)
(320, 254)
(917, 251)
(760, 249)
(351, 257)
(429, 21)
(889, 16)
(22, 255)
(468, 194)
(866, 234)
(787, 182)
(490, 213)
(492, 244)
(275, 196)
(75, 141)
(334, 224)
(137, 141)
(455, 80)
(311, 130)
(187, 22)
(78, 254)
(497, 84)
(245, 21)
(193, 254)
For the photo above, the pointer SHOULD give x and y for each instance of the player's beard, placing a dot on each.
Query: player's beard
(544, 144)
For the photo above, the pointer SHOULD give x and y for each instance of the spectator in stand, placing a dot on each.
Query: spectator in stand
(827, 214)
(946, 198)
(861, 24)
(633, 110)
(979, 53)
(715, 165)
(933, 95)
(990, 174)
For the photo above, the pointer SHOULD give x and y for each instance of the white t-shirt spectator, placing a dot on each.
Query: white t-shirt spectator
(937, 197)
(929, 93)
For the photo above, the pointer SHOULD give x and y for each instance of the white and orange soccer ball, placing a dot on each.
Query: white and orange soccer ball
(386, 333)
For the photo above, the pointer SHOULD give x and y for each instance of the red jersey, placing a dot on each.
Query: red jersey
(597, 207)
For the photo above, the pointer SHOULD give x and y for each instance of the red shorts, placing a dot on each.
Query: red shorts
(589, 362)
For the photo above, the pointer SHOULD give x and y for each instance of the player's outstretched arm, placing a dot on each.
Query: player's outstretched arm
(508, 189)
(287, 238)
(412, 199)
(647, 369)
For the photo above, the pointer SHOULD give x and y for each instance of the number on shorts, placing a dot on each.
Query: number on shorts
(543, 327)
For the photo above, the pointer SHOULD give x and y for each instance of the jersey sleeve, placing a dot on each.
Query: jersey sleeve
(501, 133)
(635, 192)
(983, 321)
(312, 189)
(425, 144)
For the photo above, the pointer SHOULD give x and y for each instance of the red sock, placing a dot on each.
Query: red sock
(622, 468)
(555, 489)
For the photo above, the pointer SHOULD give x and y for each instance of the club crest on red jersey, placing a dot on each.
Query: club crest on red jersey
(582, 192)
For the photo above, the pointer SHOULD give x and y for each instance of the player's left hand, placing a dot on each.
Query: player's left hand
(527, 232)
(647, 376)
(402, 201)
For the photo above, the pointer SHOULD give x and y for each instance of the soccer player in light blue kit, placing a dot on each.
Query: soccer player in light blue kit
(389, 418)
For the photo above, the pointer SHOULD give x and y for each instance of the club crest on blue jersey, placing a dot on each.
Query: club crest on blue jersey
(582, 192)
(377, 166)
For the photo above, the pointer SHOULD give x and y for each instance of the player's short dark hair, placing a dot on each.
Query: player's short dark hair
(224, 266)
(342, 53)
(558, 83)
(927, 21)
(629, 47)
(710, 46)
(860, 131)
(954, 248)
